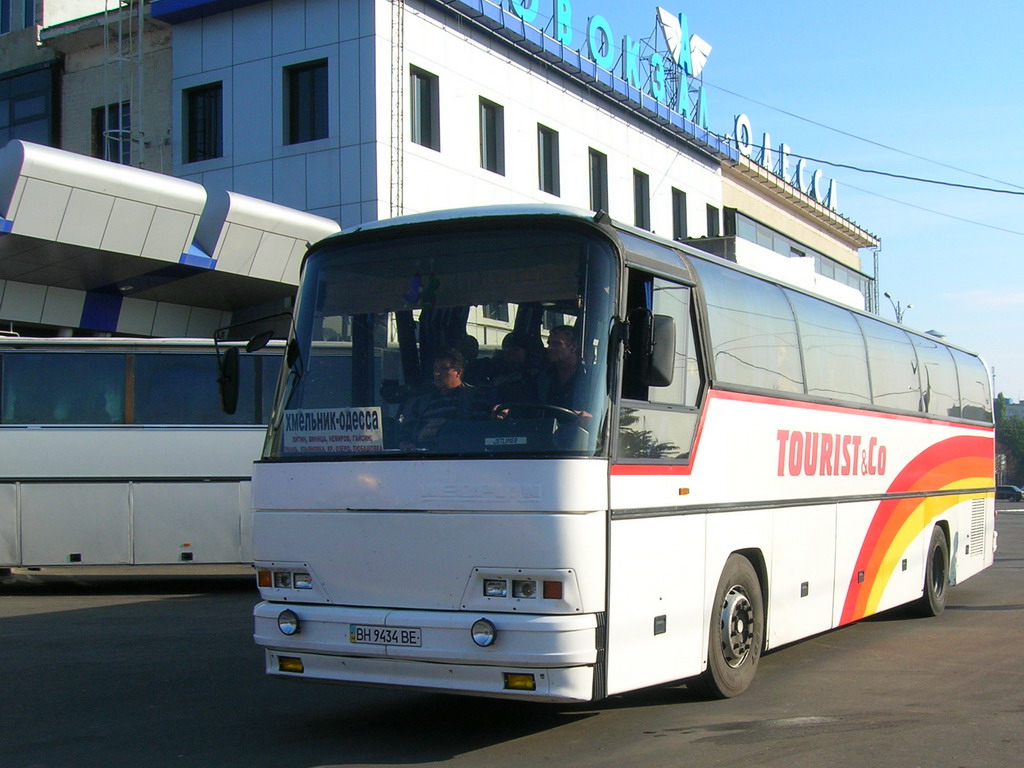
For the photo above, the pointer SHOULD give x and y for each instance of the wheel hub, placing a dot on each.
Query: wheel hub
(737, 626)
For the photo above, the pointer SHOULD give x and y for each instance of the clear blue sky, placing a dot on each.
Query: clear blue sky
(935, 80)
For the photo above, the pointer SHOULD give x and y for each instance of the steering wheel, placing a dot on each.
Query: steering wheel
(560, 414)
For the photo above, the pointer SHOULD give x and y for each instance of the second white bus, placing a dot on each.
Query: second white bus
(116, 452)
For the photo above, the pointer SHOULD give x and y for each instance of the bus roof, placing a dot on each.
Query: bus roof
(109, 342)
(672, 250)
(473, 212)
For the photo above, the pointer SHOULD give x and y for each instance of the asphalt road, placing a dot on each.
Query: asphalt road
(130, 671)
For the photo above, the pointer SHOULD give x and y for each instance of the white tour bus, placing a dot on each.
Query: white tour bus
(702, 465)
(117, 452)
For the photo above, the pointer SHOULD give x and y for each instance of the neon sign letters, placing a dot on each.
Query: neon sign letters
(668, 76)
(813, 186)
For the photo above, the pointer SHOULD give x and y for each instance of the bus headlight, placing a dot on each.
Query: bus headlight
(524, 589)
(288, 623)
(484, 633)
(495, 588)
(284, 578)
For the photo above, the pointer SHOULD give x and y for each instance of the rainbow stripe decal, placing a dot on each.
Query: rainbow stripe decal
(964, 462)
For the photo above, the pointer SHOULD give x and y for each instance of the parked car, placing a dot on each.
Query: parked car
(1009, 493)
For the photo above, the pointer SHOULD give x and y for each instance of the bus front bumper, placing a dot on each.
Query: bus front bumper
(545, 658)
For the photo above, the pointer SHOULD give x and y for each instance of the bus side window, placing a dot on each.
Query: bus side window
(659, 422)
(60, 388)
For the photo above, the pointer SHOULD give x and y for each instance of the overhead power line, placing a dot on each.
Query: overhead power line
(863, 139)
(847, 185)
(892, 175)
(921, 179)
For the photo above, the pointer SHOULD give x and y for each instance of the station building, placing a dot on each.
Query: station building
(238, 130)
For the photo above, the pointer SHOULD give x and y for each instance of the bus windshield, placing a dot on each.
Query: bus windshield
(492, 343)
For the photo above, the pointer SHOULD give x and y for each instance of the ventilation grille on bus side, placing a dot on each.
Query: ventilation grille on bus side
(977, 527)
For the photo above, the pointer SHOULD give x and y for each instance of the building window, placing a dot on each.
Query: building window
(306, 102)
(598, 181)
(204, 123)
(17, 14)
(755, 232)
(641, 199)
(28, 104)
(492, 136)
(112, 133)
(678, 214)
(714, 228)
(498, 311)
(547, 160)
(425, 108)
(552, 319)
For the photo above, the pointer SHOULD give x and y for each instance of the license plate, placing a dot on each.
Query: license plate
(366, 634)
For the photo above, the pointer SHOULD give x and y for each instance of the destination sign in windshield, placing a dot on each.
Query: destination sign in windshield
(333, 430)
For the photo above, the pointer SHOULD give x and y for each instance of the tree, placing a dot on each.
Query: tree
(1010, 442)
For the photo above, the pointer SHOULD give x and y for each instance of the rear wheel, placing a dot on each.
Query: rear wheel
(936, 576)
(737, 632)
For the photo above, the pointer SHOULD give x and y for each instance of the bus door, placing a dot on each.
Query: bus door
(656, 540)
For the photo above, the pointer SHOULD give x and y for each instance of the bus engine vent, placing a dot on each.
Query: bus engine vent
(977, 527)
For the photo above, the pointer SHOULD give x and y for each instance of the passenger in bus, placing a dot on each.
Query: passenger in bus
(470, 349)
(511, 378)
(424, 415)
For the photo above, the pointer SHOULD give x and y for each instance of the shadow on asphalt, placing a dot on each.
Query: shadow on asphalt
(29, 583)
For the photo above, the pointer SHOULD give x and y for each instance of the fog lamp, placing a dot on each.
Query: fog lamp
(288, 623)
(519, 682)
(484, 633)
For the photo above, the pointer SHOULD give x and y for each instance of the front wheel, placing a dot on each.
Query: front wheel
(737, 632)
(936, 576)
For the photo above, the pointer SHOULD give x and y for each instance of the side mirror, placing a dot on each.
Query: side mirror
(228, 380)
(227, 357)
(660, 351)
(259, 341)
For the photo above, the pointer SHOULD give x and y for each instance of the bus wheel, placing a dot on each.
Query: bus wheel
(936, 576)
(737, 632)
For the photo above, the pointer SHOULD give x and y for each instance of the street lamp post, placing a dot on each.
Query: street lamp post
(900, 311)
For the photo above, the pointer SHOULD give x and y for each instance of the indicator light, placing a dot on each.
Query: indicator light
(264, 579)
(290, 664)
(552, 590)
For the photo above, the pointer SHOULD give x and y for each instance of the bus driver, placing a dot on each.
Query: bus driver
(563, 383)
